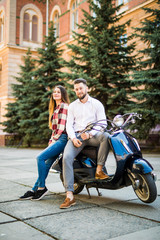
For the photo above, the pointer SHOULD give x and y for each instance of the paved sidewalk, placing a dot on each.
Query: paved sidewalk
(117, 215)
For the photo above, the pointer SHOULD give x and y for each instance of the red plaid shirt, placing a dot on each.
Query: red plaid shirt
(59, 118)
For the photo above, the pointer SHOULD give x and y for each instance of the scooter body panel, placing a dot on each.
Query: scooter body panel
(124, 145)
(140, 166)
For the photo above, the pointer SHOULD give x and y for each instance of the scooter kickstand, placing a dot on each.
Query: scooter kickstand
(99, 194)
(88, 192)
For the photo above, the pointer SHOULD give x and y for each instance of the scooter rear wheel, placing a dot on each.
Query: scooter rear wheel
(77, 186)
(146, 190)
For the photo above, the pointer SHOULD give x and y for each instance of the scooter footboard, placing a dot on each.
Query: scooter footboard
(140, 166)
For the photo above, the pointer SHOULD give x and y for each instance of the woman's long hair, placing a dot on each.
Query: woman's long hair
(52, 103)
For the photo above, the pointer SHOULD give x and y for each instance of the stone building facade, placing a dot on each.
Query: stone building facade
(23, 24)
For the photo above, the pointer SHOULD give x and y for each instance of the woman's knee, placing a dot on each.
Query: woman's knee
(39, 157)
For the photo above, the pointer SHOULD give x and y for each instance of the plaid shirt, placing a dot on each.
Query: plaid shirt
(59, 118)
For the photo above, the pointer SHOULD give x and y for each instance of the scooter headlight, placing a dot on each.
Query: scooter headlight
(118, 120)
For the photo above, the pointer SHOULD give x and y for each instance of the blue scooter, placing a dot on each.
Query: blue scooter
(131, 167)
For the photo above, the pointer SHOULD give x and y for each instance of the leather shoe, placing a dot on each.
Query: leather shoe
(101, 175)
(68, 203)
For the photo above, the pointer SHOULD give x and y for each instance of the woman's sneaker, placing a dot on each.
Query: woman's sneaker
(28, 195)
(39, 194)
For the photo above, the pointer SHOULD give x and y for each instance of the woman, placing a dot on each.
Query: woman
(58, 108)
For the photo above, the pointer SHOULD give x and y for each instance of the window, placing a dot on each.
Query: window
(56, 24)
(74, 15)
(1, 26)
(35, 28)
(26, 27)
(30, 26)
(123, 42)
(119, 2)
(96, 2)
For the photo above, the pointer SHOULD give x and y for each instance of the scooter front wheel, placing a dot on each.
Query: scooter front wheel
(77, 186)
(145, 187)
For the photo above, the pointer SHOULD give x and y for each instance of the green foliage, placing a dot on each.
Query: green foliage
(146, 81)
(28, 116)
(18, 110)
(102, 56)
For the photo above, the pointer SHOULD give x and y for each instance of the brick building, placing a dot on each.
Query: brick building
(23, 24)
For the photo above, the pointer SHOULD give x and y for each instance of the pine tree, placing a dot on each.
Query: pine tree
(102, 55)
(147, 79)
(46, 76)
(18, 110)
(28, 116)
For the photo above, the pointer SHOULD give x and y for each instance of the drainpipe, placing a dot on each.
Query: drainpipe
(47, 9)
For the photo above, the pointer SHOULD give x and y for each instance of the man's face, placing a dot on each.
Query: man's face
(81, 90)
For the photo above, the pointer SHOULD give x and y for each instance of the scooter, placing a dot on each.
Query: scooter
(131, 167)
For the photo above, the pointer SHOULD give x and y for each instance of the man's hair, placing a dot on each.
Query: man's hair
(80, 80)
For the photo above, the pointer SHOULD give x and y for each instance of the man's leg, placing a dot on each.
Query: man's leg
(70, 152)
(101, 140)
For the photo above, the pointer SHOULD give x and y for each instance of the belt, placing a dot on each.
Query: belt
(77, 131)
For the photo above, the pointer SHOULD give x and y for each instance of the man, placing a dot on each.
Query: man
(81, 112)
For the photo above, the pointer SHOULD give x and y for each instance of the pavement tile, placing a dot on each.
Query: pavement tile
(94, 223)
(149, 234)
(138, 208)
(24, 209)
(4, 218)
(108, 196)
(25, 232)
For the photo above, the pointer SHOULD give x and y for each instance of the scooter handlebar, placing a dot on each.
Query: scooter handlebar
(103, 126)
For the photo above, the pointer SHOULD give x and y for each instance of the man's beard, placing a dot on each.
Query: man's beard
(82, 97)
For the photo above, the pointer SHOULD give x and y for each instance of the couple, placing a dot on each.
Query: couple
(69, 121)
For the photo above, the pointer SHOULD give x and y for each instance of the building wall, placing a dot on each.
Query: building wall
(13, 48)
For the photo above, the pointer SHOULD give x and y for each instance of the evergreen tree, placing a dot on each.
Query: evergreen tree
(102, 55)
(46, 76)
(147, 79)
(18, 110)
(28, 116)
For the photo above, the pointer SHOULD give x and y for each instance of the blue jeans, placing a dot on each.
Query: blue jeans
(46, 158)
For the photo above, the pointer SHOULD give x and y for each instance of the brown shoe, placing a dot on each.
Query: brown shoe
(101, 175)
(68, 203)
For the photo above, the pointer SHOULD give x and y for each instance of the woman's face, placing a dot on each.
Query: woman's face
(57, 94)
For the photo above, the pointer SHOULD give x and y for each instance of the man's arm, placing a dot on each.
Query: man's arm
(70, 123)
(100, 115)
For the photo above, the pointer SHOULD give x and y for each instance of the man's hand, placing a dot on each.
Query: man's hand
(85, 136)
(76, 142)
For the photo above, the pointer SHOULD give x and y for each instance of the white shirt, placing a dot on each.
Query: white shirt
(80, 114)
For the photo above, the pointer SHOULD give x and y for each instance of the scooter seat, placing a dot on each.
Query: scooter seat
(90, 151)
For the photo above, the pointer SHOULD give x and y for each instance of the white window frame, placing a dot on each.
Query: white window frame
(32, 10)
(74, 15)
(56, 9)
(31, 13)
